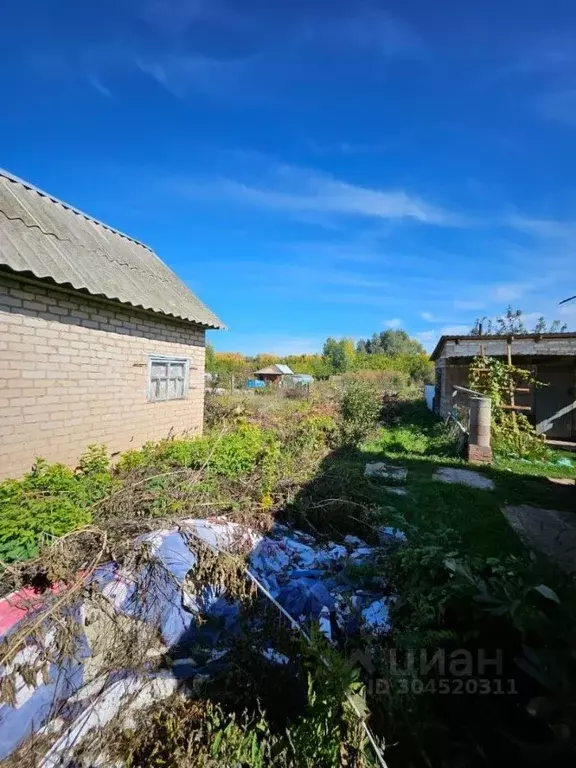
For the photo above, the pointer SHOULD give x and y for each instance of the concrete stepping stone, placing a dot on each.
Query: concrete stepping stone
(385, 471)
(463, 477)
(549, 531)
(397, 491)
(562, 480)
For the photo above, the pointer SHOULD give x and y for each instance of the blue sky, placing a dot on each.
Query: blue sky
(312, 167)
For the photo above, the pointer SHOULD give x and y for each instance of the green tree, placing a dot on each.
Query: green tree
(210, 358)
(391, 343)
(339, 355)
(540, 326)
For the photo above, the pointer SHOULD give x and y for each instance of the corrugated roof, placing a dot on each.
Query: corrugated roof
(50, 239)
(275, 368)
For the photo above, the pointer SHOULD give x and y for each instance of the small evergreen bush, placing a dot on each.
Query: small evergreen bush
(360, 407)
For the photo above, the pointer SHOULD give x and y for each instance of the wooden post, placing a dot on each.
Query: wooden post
(512, 395)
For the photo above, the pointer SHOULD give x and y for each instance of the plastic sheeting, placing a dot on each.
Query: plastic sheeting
(313, 582)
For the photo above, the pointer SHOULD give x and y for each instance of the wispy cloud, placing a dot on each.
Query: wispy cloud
(361, 25)
(559, 105)
(428, 316)
(96, 83)
(394, 323)
(550, 62)
(429, 339)
(242, 52)
(302, 191)
(507, 292)
(365, 26)
(546, 56)
(545, 228)
(183, 74)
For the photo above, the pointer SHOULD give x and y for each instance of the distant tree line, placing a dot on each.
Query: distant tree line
(391, 350)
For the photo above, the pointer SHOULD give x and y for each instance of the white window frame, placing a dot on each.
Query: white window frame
(163, 359)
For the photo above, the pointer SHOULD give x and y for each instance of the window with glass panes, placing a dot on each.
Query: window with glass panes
(168, 378)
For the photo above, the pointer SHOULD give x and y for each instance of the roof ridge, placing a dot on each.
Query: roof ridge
(16, 179)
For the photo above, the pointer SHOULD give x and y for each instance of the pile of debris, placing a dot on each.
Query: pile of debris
(133, 633)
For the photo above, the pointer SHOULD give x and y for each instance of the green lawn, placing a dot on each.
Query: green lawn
(417, 441)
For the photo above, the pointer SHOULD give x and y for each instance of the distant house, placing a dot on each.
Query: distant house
(273, 374)
(550, 356)
(100, 342)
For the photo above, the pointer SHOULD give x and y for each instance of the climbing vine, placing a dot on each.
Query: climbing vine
(512, 432)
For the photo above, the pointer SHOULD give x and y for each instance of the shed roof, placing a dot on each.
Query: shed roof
(497, 342)
(276, 368)
(49, 239)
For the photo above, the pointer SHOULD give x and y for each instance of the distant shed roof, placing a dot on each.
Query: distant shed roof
(276, 368)
(522, 344)
(49, 239)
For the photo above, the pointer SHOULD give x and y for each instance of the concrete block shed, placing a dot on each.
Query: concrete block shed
(550, 356)
(100, 342)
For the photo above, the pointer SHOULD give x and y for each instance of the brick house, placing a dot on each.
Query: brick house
(100, 342)
(551, 357)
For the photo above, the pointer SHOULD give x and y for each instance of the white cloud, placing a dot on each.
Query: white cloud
(428, 339)
(428, 316)
(303, 191)
(394, 323)
(508, 291)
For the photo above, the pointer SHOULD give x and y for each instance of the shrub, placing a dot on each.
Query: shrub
(360, 409)
(50, 500)
(184, 453)
(94, 460)
(311, 434)
(28, 522)
(232, 455)
(130, 460)
(238, 452)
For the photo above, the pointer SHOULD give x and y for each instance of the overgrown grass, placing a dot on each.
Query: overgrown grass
(464, 580)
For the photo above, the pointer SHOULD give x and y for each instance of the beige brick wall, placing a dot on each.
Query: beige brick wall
(74, 371)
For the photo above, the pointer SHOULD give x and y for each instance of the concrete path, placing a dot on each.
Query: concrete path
(548, 531)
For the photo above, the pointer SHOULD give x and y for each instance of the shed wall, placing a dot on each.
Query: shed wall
(498, 347)
(553, 405)
(74, 371)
